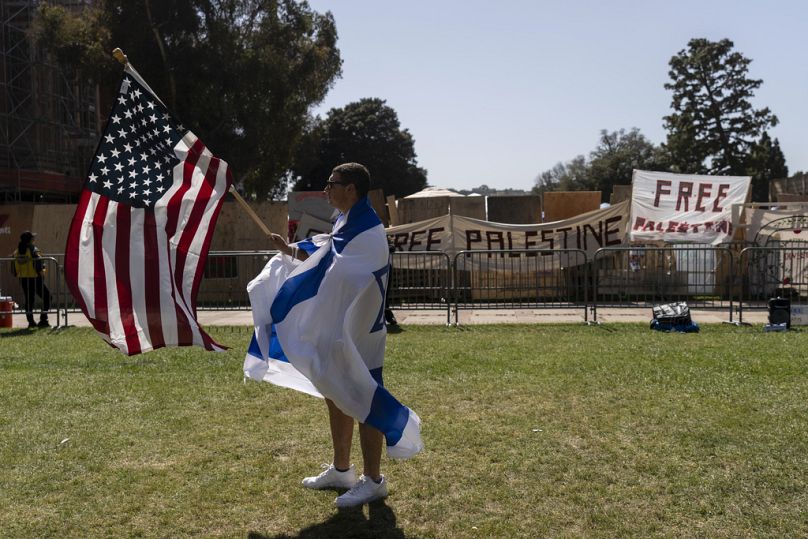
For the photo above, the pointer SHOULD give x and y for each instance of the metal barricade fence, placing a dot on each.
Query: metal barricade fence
(65, 300)
(223, 286)
(638, 277)
(704, 276)
(227, 273)
(52, 279)
(420, 280)
(520, 279)
(769, 272)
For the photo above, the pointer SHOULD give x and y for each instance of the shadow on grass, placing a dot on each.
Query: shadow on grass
(394, 328)
(22, 332)
(381, 522)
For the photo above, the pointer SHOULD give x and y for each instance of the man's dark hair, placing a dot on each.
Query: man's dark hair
(356, 174)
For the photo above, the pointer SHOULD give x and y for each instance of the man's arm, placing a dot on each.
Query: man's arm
(277, 241)
(39, 266)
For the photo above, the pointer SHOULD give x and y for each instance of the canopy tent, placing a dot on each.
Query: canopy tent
(434, 192)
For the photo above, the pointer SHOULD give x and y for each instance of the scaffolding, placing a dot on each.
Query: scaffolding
(49, 125)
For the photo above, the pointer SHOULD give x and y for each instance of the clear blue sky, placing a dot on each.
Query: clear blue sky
(496, 92)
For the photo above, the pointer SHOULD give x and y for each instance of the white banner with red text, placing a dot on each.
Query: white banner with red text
(685, 207)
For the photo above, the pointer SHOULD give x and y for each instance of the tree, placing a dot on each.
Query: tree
(368, 132)
(80, 43)
(713, 127)
(616, 157)
(766, 162)
(242, 73)
(618, 153)
(572, 176)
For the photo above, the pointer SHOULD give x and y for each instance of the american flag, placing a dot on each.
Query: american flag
(137, 245)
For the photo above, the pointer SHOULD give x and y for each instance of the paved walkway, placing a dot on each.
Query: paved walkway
(566, 316)
(473, 317)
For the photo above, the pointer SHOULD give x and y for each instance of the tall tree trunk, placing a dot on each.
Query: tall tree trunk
(159, 39)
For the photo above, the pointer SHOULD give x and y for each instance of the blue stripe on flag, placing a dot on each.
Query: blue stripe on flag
(254, 349)
(275, 350)
(377, 375)
(360, 218)
(299, 288)
(305, 286)
(388, 415)
(307, 245)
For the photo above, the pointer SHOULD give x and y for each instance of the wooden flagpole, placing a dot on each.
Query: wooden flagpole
(249, 211)
(122, 58)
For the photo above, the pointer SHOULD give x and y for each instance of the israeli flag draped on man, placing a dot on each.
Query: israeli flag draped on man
(319, 326)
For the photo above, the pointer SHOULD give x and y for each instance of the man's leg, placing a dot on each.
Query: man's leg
(340, 474)
(29, 292)
(43, 292)
(372, 485)
(371, 441)
(341, 435)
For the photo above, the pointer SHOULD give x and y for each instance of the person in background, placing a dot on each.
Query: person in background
(29, 269)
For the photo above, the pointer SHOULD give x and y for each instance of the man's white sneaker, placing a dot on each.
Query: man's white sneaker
(332, 478)
(365, 491)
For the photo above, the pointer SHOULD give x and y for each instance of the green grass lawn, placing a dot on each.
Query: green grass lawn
(532, 431)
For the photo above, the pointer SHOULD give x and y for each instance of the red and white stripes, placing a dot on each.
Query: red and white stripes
(136, 271)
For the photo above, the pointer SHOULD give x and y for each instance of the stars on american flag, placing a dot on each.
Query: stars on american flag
(135, 159)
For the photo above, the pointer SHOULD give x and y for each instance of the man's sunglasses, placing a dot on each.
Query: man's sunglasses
(332, 183)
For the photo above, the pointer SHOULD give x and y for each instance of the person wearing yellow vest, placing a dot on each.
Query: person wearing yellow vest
(28, 268)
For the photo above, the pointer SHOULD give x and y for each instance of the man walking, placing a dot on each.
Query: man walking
(327, 320)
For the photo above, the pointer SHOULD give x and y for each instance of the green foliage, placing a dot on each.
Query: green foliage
(570, 176)
(713, 128)
(530, 431)
(766, 162)
(242, 74)
(78, 42)
(610, 163)
(616, 157)
(368, 132)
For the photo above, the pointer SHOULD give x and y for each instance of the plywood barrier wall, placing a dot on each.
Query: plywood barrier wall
(473, 207)
(789, 197)
(412, 210)
(620, 193)
(516, 209)
(392, 210)
(376, 197)
(14, 220)
(235, 231)
(51, 222)
(797, 184)
(565, 204)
